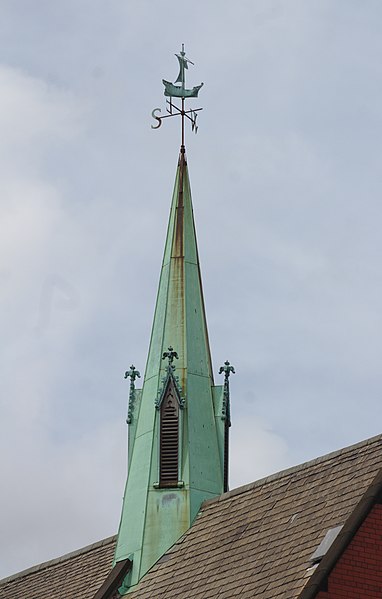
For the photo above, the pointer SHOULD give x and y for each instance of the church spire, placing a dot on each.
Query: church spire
(178, 420)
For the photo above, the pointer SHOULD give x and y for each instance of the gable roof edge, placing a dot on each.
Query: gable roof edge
(58, 560)
(372, 495)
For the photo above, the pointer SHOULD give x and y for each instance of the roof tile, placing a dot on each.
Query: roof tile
(254, 541)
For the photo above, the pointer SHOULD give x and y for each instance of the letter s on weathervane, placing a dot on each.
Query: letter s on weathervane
(156, 118)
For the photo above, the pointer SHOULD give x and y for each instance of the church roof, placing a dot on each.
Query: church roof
(71, 576)
(254, 541)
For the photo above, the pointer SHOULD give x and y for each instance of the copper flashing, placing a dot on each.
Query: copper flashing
(109, 589)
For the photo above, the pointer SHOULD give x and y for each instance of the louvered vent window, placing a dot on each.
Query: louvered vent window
(169, 441)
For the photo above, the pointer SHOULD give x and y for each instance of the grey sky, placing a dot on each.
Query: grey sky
(285, 173)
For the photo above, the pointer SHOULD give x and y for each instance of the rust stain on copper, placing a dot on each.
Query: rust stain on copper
(177, 262)
(179, 222)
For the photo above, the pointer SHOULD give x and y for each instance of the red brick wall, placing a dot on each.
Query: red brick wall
(358, 573)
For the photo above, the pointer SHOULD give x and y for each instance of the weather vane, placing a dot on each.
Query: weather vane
(179, 91)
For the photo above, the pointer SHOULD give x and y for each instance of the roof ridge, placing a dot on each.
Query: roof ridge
(291, 470)
(58, 560)
(223, 497)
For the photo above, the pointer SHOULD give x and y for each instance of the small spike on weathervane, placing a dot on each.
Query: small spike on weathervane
(179, 91)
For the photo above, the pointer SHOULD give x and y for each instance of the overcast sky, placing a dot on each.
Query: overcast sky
(286, 181)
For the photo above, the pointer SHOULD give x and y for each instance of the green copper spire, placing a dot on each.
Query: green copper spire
(177, 427)
(178, 422)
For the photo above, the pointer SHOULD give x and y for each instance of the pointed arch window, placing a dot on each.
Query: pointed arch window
(169, 438)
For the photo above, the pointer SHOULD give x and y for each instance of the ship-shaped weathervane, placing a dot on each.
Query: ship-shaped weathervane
(171, 90)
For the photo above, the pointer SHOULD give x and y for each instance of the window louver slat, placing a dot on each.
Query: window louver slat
(169, 441)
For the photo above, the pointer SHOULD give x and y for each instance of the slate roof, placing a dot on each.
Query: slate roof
(77, 575)
(253, 542)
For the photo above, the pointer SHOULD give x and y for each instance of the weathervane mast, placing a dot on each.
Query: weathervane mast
(179, 91)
